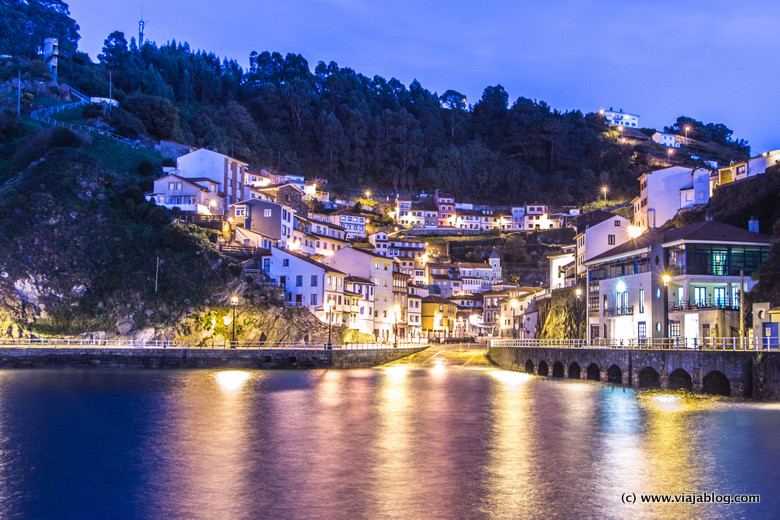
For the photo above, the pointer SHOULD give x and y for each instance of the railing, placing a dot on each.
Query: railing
(715, 344)
(76, 343)
(87, 343)
(44, 115)
(620, 311)
(707, 304)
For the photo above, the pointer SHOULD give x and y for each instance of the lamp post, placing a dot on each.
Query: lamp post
(396, 314)
(666, 279)
(514, 304)
(329, 306)
(604, 191)
(687, 129)
(669, 154)
(233, 303)
(577, 309)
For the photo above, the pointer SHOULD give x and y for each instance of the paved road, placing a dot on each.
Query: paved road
(460, 355)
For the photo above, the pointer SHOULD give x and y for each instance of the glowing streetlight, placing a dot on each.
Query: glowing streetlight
(604, 191)
(234, 303)
(634, 231)
(687, 129)
(514, 304)
(329, 307)
(666, 278)
(368, 194)
(669, 154)
(396, 317)
(578, 292)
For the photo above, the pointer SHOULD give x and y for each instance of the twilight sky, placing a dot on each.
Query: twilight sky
(713, 60)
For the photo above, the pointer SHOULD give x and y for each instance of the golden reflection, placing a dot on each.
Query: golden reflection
(231, 380)
(439, 368)
(392, 471)
(510, 378)
(511, 482)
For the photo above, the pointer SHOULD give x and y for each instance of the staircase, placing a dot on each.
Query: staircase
(44, 115)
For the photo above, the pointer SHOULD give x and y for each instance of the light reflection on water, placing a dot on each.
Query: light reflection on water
(397, 442)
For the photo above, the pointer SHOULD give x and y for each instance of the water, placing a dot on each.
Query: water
(426, 439)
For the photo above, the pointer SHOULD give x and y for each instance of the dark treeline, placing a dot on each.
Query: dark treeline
(336, 124)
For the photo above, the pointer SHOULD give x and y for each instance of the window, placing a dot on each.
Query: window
(674, 329)
(314, 299)
(611, 240)
(719, 296)
(314, 280)
(299, 281)
(241, 211)
(286, 262)
(642, 330)
(680, 296)
(266, 212)
(735, 296)
(700, 296)
(641, 300)
(617, 223)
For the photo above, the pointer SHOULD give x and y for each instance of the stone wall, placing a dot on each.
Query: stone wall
(749, 374)
(198, 358)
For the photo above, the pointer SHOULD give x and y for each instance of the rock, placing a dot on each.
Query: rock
(125, 325)
(144, 334)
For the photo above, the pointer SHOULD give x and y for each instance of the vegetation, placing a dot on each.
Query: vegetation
(337, 124)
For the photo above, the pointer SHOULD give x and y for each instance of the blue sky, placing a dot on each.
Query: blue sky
(715, 61)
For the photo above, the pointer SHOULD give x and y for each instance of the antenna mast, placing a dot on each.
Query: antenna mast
(141, 25)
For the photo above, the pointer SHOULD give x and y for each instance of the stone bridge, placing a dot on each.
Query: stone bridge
(746, 374)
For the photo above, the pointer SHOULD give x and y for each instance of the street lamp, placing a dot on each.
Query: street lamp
(669, 154)
(329, 306)
(396, 315)
(666, 279)
(514, 304)
(233, 303)
(604, 191)
(687, 129)
(368, 194)
(577, 308)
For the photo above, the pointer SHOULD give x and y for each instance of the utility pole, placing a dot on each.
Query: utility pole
(741, 306)
(19, 94)
(156, 274)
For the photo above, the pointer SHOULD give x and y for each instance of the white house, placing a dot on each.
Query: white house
(753, 166)
(597, 232)
(668, 140)
(191, 195)
(666, 191)
(379, 270)
(361, 313)
(307, 283)
(226, 171)
(677, 283)
(353, 223)
(620, 118)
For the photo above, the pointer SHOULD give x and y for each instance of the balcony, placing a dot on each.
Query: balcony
(725, 304)
(620, 311)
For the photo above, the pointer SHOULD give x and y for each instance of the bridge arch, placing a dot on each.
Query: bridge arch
(615, 375)
(594, 374)
(680, 379)
(529, 367)
(716, 382)
(649, 378)
(557, 370)
(543, 370)
(574, 371)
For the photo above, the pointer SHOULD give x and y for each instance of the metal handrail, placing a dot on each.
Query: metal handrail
(64, 343)
(686, 344)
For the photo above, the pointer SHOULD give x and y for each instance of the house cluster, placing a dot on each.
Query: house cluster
(441, 211)
(644, 280)
(636, 278)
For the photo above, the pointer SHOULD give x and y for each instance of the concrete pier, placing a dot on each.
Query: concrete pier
(74, 357)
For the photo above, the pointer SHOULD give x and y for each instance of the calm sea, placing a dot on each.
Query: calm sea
(436, 439)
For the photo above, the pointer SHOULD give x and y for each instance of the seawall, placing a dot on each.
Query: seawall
(177, 358)
(745, 374)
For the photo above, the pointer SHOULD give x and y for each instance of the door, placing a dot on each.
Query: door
(771, 339)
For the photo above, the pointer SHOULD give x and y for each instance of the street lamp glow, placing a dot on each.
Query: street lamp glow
(604, 191)
(634, 231)
(578, 292)
(368, 194)
(666, 278)
(233, 303)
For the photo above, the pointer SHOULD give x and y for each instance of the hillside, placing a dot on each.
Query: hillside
(333, 123)
(80, 248)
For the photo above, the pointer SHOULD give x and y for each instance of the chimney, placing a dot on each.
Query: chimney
(753, 225)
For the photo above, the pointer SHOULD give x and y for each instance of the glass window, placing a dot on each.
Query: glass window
(700, 296)
(314, 299)
(314, 280)
(719, 296)
(266, 212)
(286, 262)
(642, 301)
(299, 281)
